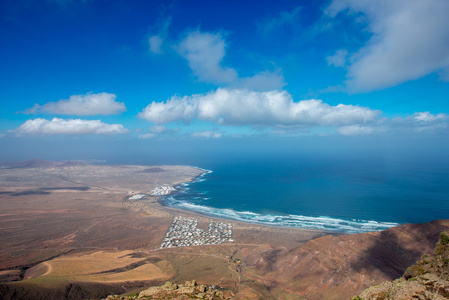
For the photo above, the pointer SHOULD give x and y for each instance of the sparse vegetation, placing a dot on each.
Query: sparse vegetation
(444, 238)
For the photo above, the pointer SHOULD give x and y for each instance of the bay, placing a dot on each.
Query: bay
(345, 195)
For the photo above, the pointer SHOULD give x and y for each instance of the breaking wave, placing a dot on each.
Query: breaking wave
(287, 220)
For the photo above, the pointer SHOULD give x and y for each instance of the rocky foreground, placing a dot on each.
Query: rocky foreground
(170, 290)
(428, 279)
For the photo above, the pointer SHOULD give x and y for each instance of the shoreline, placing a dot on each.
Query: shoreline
(334, 231)
(190, 213)
(252, 234)
(245, 233)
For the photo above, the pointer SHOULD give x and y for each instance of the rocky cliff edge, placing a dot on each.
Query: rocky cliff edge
(428, 279)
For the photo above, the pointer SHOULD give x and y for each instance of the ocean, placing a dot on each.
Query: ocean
(349, 195)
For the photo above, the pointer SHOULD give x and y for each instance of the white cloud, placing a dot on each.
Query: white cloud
(277, 110)
(205, 52)
(244, 107)
(428, 117)
(175, 109)
(207, 134)
(421, 122)
(338, 59)
(155, 44)
(70, 127)
(410, 40)
(82, 105)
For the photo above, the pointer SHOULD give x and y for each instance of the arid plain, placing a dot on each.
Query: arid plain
(70, 230)
(64, 222)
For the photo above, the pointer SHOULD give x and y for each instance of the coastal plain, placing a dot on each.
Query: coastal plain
(74, 230)
(65, 222)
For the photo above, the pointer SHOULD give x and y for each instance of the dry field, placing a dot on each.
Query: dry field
(71, 231)
(47, 211)
(102, 266)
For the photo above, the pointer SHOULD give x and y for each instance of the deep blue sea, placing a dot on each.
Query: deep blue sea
(344, 195)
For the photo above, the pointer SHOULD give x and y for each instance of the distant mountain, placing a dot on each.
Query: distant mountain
(38, 163)
(153, 170)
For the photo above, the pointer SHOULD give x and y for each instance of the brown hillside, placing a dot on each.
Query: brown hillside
(337, 267)
(428, 279)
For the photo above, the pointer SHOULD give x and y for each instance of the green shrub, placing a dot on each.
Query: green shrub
(444, 238)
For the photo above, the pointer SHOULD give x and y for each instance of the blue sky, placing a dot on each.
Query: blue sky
(150, 76)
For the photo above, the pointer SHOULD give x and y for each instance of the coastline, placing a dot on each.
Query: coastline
(252, 234)
(336, 226)
(84, 223)
(245, 233)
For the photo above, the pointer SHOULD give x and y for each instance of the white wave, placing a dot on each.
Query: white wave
(297, 221)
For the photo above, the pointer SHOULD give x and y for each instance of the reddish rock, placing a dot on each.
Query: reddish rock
(337, 267)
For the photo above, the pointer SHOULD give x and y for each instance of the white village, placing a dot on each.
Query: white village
(183, 232)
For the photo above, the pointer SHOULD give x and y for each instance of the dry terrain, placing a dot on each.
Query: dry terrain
(70, 231)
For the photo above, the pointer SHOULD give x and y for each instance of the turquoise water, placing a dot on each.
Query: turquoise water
(345, 195)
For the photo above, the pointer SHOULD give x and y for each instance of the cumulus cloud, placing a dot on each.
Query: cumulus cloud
(428, 117)
(424, 122)
(82, 105)
(155, 44)
(244, 107)
(418, 123)
(410, 39)
(205, 52)
(176, 109)
(68, 127)
(207, 134)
